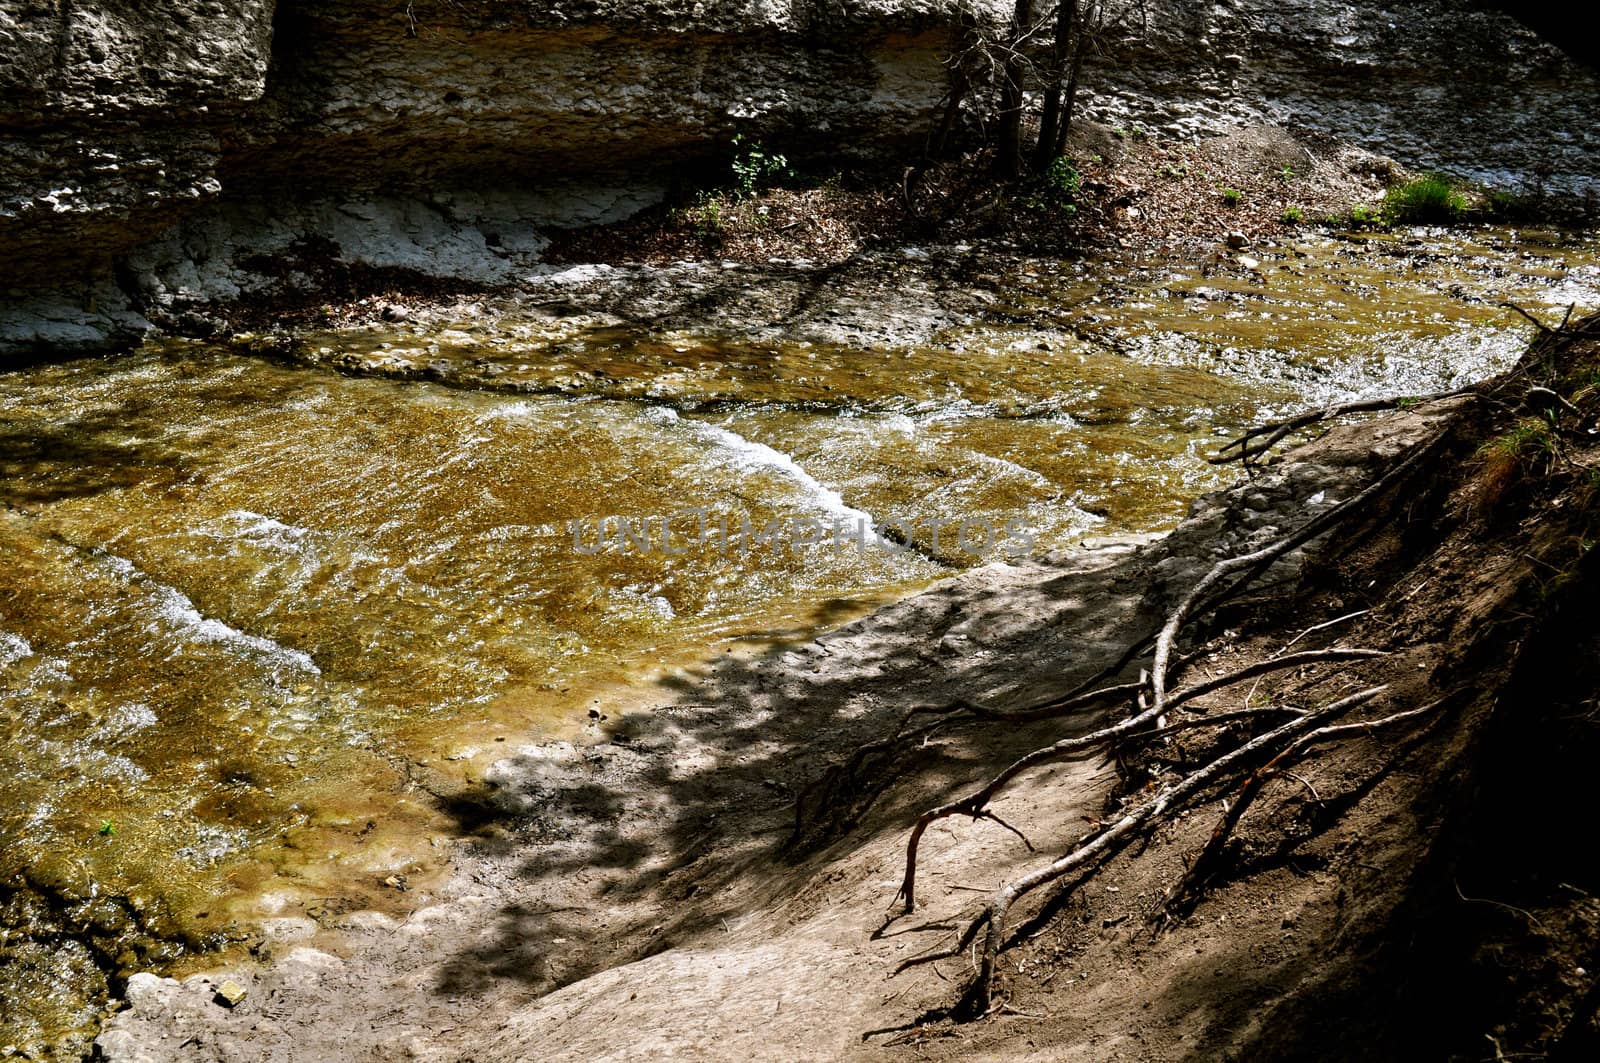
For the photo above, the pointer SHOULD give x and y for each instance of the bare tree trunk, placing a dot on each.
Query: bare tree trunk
(1052, 121)
(963, 40)
(1080, 48)
(1008, 147)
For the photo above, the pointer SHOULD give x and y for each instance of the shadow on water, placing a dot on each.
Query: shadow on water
(85, 456)
(687, 818)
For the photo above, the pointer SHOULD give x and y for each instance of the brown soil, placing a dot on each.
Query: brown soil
(1152, 194)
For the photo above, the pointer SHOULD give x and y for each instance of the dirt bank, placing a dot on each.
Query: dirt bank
(693, 878)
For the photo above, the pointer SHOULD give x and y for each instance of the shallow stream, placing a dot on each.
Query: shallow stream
(246, 600)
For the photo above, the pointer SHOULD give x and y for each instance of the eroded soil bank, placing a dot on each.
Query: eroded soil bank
(684, 884)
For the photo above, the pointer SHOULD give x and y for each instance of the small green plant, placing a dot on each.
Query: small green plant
(754, 166)
(1178, 169)
(706, 216)
(1231, 197)
(1286, 174)
(1063, 178)
(1362, 216)
(107, 828)
(1293, 216)
(1058, 188)
(1529, 438)
(1505, 204)
(1527, 447)
(1431, 198)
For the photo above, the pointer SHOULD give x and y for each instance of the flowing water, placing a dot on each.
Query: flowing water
(244, 601)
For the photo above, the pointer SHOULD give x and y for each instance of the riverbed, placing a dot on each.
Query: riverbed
(260, 597)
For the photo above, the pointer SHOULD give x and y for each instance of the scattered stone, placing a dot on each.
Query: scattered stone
(230, 994)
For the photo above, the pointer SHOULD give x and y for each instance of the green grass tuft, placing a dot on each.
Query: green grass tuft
(1431, 198)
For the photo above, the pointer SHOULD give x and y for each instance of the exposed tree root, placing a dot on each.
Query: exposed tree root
(1149, 717)
(1213, 587)
(1055, 707)
(1106, 841)
(1140, 725)
(1246, 450)
(1186, 893)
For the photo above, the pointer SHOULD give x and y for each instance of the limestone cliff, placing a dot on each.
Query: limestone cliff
(154, 155)
(1446, 84)
(430, 134)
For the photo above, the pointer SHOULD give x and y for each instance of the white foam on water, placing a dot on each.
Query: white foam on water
(1009, 467)
(1572, 291)
(895, 422)
(174, 609)
(13, 648)
(956, 410)
(748, 454)
(258, 530)
(211, 843)
(126, 719)
(89, 763)
(259, 526)
(522, 408)
(173, 606)
(506, 532)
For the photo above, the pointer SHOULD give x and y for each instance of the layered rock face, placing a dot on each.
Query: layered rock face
(1436, 84)
(153, 156)
(110, 110)
(436, 135)
(112, 122)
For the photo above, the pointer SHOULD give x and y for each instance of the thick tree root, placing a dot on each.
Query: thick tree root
(992, 918)
(1263, 437)
(1186, 893)
(1149, 717)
